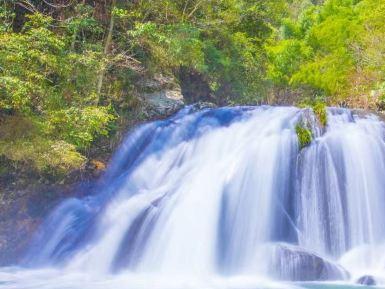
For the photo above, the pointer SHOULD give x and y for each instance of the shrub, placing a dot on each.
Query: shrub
(319, 109)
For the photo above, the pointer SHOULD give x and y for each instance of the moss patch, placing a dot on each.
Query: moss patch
(319, 108)
(304, 135)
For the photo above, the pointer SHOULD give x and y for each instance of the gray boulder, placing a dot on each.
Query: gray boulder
(367, 280)
(161, 96)
(165, 102)
(293, 263)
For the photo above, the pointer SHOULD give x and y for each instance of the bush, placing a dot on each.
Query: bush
(45, 156)
(49, 106)
(319, 109)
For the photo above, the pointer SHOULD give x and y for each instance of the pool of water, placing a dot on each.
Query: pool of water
(15, 278)
(336, 286)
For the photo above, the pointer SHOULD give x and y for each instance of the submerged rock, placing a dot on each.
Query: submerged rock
(367, 280)
(293, 263)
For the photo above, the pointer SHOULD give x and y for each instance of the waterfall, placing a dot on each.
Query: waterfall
(227, 192)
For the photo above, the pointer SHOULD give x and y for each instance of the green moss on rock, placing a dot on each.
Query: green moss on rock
(304, 135)
(319, 109)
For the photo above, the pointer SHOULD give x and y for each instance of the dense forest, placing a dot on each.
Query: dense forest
(69, 69)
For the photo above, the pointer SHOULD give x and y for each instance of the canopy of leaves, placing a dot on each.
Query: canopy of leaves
(68, 71)
(332, 48)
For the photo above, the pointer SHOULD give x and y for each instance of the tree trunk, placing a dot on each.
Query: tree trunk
(107, 46)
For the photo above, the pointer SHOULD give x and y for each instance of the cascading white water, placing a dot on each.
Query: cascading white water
(342, 186)
(223, 198)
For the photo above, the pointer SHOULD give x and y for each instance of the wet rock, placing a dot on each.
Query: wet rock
(203, 105)
(294, 263)
(162, 96)
(310, 121)
(163, 103)
(366, 280)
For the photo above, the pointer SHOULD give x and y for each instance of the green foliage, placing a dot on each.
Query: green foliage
(83, 29)
(50, 157)
(318, 106)
(53, 89)
(68, 79)
(23, 143)
(221, 40)
(329, 49)
(319, 109)
(304, 135)
(79, 126)
(285, 59)
(7, 15)
(168, 46)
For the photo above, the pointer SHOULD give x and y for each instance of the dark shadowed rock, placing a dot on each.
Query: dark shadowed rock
(293, 263)
(366, 280)
(194, 86)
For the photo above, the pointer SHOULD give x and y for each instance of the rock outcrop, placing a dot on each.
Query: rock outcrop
(293, 263)
(367, 280)
(161, 96)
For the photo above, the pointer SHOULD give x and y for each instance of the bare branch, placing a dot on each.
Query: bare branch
(195, 9)
(27, 6)
(184, 9)
(71, 2)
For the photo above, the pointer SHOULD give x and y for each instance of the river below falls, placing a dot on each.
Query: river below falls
(14, 278)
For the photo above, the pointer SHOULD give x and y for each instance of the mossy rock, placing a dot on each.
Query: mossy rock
(304, 135)
(319, 109)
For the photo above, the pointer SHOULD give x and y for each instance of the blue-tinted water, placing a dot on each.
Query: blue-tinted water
(223, 198)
